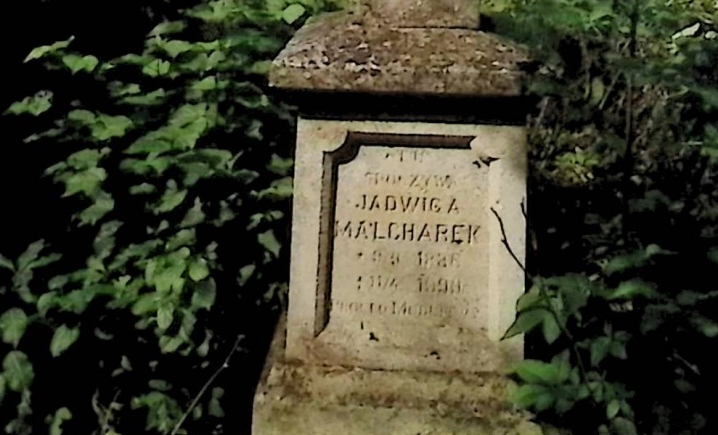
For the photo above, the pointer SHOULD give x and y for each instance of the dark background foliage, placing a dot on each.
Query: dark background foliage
(33, 209)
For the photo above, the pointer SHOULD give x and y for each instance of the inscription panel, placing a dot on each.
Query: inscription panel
(410, 238)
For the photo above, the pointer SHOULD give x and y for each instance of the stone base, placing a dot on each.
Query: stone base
(298, 399)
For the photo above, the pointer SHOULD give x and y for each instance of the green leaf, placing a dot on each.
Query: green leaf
(149, 99)
(61, 415)
(77, 301)
(146, 303)
(632, 289)
(62, 339)
(174, 48)
(30, 254)
(292, 13)
(44, 261)
(150, 144)
(170, 200)
(197, 412)
(206, 84)
(167, 28)
(623, 426)
(6, 263)
(709, 95)
(633, 260)
(169, 278)
(612, 409)
(598, 91)
(278, 190)
(35, 105)
(194, 216)
(184, 237)
(526, 322)
(156, 68)
(13, 324)
(107, 127)
(118, 89)
(618, 349)
(574, 290)
(82, 116)
(19, 373)
(599, 349)
(198, 270)
(105, 239)
(87, 182)
(532, 396)
(532, 299)
(214, 409)
(187, 327)
(44, 50)
(539, 372)
(551, 329)
(204, 294)
(270, 242)
(170, 344)
(656, 315)
(280, 165)
(165, 315)
(261, 67)
(142, 189)
(159, 385)
(45, 302)
(103, 204)
(199, 63)
(77, 63)
(203, 349)
(245, 273)
(706, 326)
(87, 158)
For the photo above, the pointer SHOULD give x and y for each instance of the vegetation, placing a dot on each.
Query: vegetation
(176, 172)
(622, 303)
(167, 175)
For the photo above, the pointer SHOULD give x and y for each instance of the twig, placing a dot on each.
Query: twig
(206, 385)
(506, 244)
(542, 291)
(104, 414)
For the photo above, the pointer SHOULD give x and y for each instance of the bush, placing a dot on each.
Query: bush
(177, 172)
(622, 303)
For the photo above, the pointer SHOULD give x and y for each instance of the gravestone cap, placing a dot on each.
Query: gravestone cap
(401, 47)
(424, 13)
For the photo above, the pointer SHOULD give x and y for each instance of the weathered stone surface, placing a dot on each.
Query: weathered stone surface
(327, 400)
(397, 260)
(337, 52)
(425, 13)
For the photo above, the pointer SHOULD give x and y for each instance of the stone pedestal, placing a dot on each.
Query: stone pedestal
(295, 397)
(410, 143)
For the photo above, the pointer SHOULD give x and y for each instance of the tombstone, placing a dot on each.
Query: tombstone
(410, 180)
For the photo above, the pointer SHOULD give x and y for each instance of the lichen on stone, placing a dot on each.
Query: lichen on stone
(342, 52)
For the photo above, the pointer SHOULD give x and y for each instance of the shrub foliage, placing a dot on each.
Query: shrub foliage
(176, 166)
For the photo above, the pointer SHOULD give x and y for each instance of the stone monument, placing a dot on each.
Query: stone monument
(410, 144)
